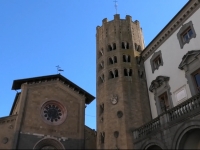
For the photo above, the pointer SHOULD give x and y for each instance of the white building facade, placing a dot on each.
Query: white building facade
(172, 69)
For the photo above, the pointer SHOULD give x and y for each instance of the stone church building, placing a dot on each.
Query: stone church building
(38, 116)
(147, 97)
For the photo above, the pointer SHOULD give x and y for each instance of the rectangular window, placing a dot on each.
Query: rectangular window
(164, 104)
(187, 35)
(157, 62)
(197, 80)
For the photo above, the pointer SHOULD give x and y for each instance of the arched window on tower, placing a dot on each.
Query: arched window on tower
(112, 60)
(116, 73)
(101, 79)
(126, 58)
(114, 46)
(110, 47)
(115, 59)
(125, 45)
(101, 65)
(127, 72)
(101, 108)
(102, 137)
(100, 52)
(113, 74)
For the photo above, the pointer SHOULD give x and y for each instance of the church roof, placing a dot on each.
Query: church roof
(17, 84)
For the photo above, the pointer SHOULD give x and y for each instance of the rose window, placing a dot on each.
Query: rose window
(53, 112)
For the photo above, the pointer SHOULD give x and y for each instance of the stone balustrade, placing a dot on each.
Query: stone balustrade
(186, 108)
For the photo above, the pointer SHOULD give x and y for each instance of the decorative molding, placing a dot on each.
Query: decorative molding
(158, 82)
(114, 99)
(189, 58)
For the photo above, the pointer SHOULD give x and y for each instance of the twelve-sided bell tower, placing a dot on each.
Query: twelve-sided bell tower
(122, 98)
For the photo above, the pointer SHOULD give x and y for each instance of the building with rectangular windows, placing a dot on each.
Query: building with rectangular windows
(147, 97)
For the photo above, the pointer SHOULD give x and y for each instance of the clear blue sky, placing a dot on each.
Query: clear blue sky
(37, 35)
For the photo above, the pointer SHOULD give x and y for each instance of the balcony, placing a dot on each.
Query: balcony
(178, 114)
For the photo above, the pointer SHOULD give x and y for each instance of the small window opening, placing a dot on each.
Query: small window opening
(126, 58)
(111, 75)
(116, 73)
(101, 78)
(115, 59)
(111, 61)
(100, 52)
(197, 80)
(109, 48)
(125, 45)
(140, 73)
(114, 46)
(102, 135)
(101, 108)
(127, 72)
(157, 62)
(164, 105)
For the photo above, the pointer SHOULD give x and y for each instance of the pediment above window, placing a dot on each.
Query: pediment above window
(158, 82)
(189, 58)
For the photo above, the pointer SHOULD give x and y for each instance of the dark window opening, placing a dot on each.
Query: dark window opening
(100, 53)
(125, 45)
(114, 46)
(102, 135)
(101, 108)
(126, 58)
(110, 61)
(111, 75)
(115, 59)
(101, 65)
(140, 73)
(197, 80)
(101, 79)
(164, 104)
(127, 72)
(157, 62)
(109, 48)
(116, 73)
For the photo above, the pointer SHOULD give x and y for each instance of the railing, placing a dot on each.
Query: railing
(191, 105)
(184, 108)
(147, 128)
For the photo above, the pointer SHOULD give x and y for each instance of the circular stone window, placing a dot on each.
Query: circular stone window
(53, 112)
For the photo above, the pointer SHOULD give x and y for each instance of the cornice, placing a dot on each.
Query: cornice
(171, 27)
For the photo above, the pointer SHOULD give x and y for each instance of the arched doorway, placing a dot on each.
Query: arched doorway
(190, 140)
(48, 143)
(152, 147)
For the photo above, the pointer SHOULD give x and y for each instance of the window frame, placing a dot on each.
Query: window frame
(184, 30)
(156, 56)
(159, 86)
(190, 67)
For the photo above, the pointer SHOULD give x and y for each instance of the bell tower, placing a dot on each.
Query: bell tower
(122, 98)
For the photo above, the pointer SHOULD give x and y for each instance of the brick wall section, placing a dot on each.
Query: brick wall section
(7, 126)
(90, 138)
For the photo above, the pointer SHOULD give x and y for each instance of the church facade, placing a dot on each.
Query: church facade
(47, 113)
(147, 97)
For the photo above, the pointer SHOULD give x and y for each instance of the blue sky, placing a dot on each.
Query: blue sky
(38, 35)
